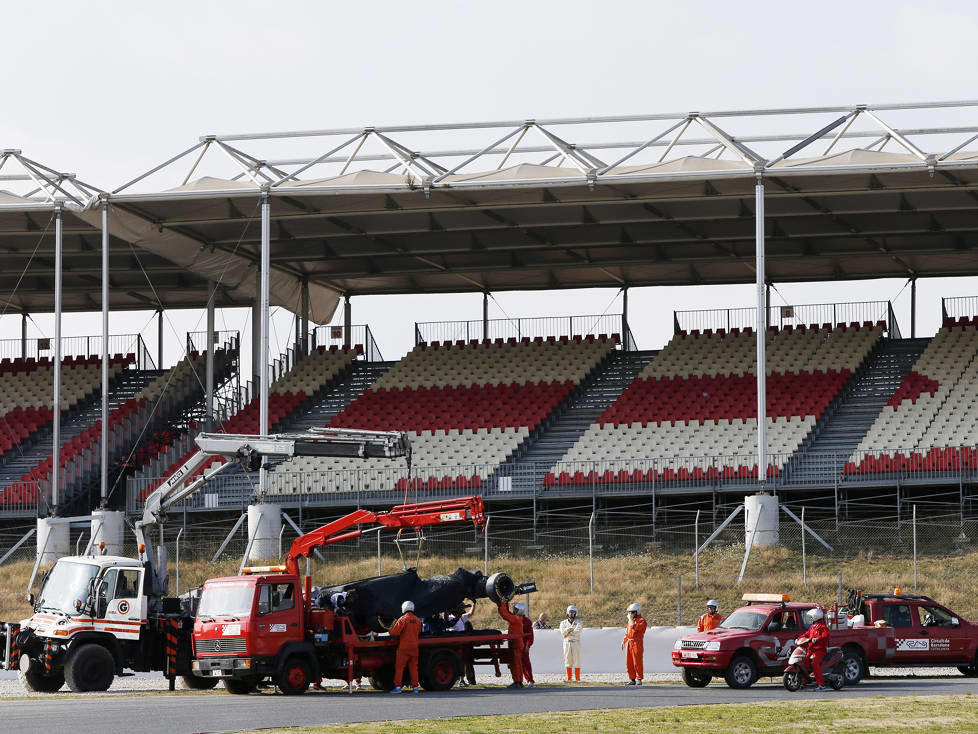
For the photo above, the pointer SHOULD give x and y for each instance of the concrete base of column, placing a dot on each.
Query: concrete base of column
(108, 527)
(52, 539)
(767, 521)
(264, 526)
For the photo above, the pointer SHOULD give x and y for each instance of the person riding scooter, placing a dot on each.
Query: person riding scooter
(809, 658)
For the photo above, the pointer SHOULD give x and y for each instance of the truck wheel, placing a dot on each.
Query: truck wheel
(34, 680)
(90, 668)
(741, 673)
(440, 670)
(696, 679)
(383, 679)
(294, 678)
(196, 683)
(971, 671)
(854, 665)
(241, 686)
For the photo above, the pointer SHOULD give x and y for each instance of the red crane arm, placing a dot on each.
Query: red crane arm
(415, 515)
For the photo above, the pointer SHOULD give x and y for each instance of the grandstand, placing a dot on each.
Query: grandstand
(571, 410)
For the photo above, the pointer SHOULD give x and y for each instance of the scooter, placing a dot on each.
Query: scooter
(797, 673)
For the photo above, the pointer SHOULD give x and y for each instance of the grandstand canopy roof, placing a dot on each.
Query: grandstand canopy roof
(863, 191)
(29, 194)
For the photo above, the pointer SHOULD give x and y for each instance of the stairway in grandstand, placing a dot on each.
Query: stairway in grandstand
(841, 429)
(545, 447)
(121, 388)
(332, 398)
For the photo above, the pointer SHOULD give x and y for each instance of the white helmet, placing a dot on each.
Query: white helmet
(634, 607)
(713, 603)
(816, 614)
(407, 606)
(570, 609)
(519, 607)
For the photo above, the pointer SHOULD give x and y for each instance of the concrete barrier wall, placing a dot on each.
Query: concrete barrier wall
(601, 650)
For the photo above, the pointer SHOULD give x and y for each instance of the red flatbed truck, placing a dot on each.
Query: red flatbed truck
(263, 626)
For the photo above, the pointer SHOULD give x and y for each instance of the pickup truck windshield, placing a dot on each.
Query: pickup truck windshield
(226, 600)
(744, 620)
(66, 584)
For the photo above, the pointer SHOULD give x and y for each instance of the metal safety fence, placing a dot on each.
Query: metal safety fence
(815, 314)
(525, 328)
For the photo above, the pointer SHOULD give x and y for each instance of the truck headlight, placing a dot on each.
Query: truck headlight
(242, 663)
(712, 645)
(678, 645)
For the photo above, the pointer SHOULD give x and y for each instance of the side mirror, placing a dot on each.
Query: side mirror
(955, 622)
(31, 600)
(774, 627)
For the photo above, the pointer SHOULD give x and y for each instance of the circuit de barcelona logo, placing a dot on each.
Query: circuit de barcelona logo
(914, 645)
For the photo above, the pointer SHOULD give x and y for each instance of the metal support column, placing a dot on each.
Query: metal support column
(761, 331)
(485, 314)
(159, 338)
(266, 262)
(304, 318)
(624, 318)
(56, 428)
(913, 308)
(23, 335)
(256, 335)
(105, 354)
(209, 360)
(347, 321)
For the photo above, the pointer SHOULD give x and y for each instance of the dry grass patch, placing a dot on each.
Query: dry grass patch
(649, 579)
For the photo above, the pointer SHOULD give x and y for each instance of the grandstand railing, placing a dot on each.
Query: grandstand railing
(670, 475)
(78, 346)
(329, 336)
(814, 314)
(197, 340)
(518, 328)
(959, 306)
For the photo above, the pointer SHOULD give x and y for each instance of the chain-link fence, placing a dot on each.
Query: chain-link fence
(602, 555)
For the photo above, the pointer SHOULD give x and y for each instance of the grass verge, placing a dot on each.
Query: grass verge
(936, 714)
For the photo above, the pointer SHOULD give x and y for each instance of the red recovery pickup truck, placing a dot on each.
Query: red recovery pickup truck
(747, 643)
(926, 633)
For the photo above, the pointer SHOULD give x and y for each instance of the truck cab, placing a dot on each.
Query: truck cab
(88, 616)
(252, 626)
(926, 632)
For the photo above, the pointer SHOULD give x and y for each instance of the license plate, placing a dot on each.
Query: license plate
(689, 655)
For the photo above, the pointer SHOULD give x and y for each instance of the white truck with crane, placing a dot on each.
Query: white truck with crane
(97, 616)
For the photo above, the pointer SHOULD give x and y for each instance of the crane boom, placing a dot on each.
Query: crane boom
(413, 516)
(249, 451)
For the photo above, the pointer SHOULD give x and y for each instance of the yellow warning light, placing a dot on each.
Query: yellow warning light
(776, 598)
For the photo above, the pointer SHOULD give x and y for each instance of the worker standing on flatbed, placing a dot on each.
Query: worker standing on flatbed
(515, 644)
(406, 629)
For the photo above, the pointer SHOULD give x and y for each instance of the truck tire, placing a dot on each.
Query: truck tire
(196, 683)
(440, 670)
(696, 679)
(383, 678)
(741, 673)
(970, 671)
(854, 665)
(242, 686)
(294, 677)
(89, 668)
(34, 680)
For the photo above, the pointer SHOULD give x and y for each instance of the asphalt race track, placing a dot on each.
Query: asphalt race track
(217, 712)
